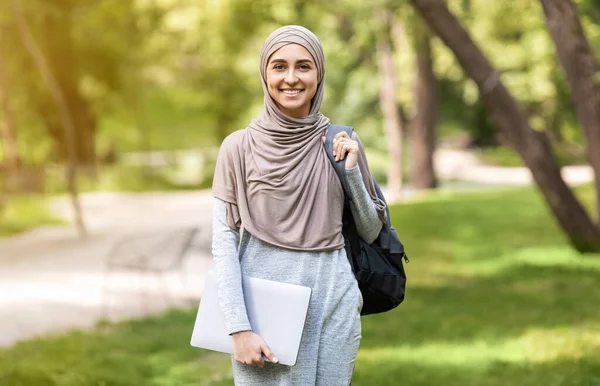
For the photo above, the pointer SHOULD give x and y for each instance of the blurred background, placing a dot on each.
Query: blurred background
(481, 119)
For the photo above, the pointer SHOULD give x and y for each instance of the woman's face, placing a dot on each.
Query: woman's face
(292, 79)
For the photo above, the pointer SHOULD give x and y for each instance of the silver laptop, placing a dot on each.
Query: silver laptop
(277, 312)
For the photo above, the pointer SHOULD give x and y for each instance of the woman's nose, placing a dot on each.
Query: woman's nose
(290, 77)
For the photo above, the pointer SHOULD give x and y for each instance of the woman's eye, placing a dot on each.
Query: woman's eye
(305, 67)
(279, 67)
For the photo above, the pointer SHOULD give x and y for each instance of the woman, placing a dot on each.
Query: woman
(275, 189)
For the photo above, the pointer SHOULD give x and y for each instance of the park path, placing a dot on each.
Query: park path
(51, 281)
(463, 166)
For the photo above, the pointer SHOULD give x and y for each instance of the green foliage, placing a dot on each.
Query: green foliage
(19, 214)
(97, 50)
(516, 40)
(181, 74)
(171, 122)
(496, 297)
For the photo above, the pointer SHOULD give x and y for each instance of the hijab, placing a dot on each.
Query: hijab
(274, 176)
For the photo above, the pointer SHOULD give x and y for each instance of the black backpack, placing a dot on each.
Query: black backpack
(378, 267)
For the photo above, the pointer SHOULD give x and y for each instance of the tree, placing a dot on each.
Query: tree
(62, 106)
(533, 146)
(582, 71)
(423, 125)
(513, 36)
(391, 116)
(99, 53)
(60, 51)
(7, 128)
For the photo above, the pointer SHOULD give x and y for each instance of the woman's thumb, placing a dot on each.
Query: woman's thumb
(268, 353)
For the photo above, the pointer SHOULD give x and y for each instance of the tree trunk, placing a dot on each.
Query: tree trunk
(423, 125)
(58, 48)
(582, 71)
(389, 107)
(7, 128)
(532, 146)
(62, 106)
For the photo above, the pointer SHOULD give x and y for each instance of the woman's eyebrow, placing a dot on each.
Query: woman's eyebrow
(285, 61)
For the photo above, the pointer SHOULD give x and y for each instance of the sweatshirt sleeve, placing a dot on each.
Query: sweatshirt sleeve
(368, 221)
(228, 271)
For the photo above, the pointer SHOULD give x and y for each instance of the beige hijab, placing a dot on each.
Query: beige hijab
(274, 175)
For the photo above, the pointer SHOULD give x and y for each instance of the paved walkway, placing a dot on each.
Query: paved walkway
(50, 281)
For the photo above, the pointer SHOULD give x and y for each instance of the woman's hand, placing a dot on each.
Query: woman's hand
(248, 348)
(344, 146)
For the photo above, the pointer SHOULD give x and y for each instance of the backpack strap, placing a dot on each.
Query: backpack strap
(338, 166)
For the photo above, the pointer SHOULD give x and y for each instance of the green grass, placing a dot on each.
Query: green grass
(495, 297)
(154, 351)
(19, 214)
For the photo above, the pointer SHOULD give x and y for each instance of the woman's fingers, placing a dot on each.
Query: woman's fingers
(268, 353)
(258, 361)
(248, 348)
(343, 145)
(339, 150)
(253, 359)
(338, 144)
(336, 141)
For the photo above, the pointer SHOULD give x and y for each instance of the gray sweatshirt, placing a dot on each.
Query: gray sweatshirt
(227, 256)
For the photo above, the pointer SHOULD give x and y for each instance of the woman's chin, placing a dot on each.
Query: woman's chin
(294, 110)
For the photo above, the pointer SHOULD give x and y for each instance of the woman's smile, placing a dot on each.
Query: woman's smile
(291, 93)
